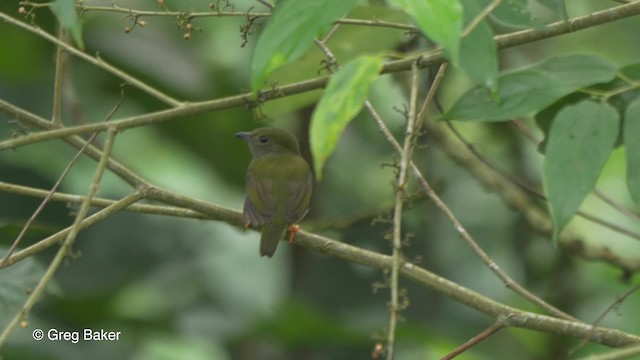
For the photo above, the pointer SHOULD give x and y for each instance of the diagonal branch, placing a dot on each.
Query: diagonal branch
(126, 203)
(59, 74)
(60, 178)
(401, 194)
(97, 61)
(509, 315)
(180, 109)
(491, 264)
(78, 142)
(100, 202)
(64, 250)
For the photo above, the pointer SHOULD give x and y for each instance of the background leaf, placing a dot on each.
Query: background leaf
(511, 14)
(291, 31)
(65, 11)
(557, 6)
(342, 101)
(525, 92)
(580, 141)
(632, 148)
(14, 282)
(359, 40)
(478, 52)
(439, 20)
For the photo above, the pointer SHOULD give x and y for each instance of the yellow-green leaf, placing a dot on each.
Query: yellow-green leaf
(343, 99)
(439, 20)
(65, 11)
(290, 32)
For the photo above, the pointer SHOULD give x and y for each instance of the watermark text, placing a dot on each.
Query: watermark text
(75, 337)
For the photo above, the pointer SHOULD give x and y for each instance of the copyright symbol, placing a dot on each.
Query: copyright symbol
(37, 334)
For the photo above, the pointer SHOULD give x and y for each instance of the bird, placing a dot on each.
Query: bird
(278, 184)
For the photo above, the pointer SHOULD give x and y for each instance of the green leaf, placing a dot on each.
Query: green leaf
(580, 141)
(65, 11)
(631, 71)
(620, 101)
(478, 51)
(513, 13)
(359, 40)
(14, 282)
(290, 32)
(557, 6)
(439, 20)
(579, 69)
(343, 99)
(544, 118)
(632, 148)
(525, 92)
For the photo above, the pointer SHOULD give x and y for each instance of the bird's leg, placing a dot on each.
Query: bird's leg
(293, 230)
(247, 225)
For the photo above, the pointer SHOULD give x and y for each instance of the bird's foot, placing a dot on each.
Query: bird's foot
(293, 230)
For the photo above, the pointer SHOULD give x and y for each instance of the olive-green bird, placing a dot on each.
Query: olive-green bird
(278, 185)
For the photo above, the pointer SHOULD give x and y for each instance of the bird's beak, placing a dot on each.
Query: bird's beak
(242, 135)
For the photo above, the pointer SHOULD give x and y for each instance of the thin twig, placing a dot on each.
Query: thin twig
(400, 189)
(481, 16)
(484, 335)
(64, 250)
(493, 266)
(102, 202)
(266, 3)
(532, 190)
(506, 279)
(93, 60)
(617, 302)
(102, 214)
(518, 197)
(44, 202)
(22, 115)
(59, 75)
(40, 207)
(215, 13)
(609, 225)
(110, 209)
(631, 352)
(614, 205)
(432, 94)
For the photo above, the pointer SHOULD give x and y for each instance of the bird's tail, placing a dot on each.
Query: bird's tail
(271, 236)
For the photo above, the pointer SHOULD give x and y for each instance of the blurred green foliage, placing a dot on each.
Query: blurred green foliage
(190, 289)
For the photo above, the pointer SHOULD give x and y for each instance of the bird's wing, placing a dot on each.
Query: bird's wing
(250, 214)
(259, 204)
(291, 180)
(300, 186)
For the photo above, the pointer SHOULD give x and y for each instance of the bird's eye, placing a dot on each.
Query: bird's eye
(263, 139)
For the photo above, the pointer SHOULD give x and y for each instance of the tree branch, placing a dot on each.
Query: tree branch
(68, 242)
(78, 142)
(511, 316)
(429, 59)
(491, 264)
(56, 238)
(401, 194)
(101, 202)
(92, 60)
